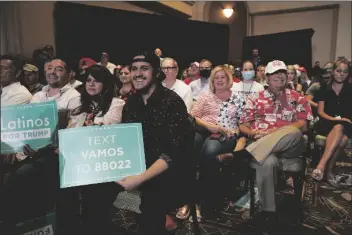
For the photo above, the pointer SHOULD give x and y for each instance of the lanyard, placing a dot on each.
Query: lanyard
(245, 96)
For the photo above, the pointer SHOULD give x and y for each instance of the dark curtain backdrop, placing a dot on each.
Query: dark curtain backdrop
(293, 47)
(87, 31)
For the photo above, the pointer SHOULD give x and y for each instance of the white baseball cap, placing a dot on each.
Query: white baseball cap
(195, 63)
(274, 66)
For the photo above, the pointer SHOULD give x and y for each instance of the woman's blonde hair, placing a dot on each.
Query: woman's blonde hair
(292, 68)
(212, 77)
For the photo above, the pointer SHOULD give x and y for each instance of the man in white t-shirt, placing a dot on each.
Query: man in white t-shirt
(201, 85)
(247, 86)
(58, 88)
(104, 61)
(12, 92)
(170, 68)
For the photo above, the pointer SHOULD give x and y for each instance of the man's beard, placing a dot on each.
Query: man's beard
(60, 82)
(55, 85)
(145, 89)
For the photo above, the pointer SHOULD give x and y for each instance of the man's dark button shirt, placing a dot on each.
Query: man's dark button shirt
(167, 131)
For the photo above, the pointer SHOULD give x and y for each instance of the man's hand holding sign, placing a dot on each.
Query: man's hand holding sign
(131, 182)
(28, 127)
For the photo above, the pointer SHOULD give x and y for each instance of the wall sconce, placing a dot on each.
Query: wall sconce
(227, 12)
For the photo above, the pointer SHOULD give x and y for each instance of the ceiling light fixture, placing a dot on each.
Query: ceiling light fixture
(228, 12)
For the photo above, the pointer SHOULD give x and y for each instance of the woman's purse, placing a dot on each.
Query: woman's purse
(129, 201)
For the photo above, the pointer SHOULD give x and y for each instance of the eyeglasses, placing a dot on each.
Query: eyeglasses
(168, 68)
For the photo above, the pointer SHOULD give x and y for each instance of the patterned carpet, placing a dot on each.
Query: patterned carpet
(328, 210)
(325, 210)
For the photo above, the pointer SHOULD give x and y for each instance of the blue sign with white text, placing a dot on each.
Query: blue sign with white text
(34, 124)
(98, 154)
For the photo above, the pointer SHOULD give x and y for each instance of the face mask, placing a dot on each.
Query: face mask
(204, 73)
(248, 75)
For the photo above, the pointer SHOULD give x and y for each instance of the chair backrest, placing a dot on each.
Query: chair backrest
(192, 121)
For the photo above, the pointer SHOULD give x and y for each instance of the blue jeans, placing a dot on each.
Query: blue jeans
(205, 147)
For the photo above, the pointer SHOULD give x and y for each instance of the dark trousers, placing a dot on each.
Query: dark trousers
(210, 175)
(87, 209)
(154, 208)
(96, 210)
(29, 191)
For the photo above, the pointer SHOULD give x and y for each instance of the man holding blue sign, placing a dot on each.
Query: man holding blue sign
(12, 93)
(168, 142)
(35, 176)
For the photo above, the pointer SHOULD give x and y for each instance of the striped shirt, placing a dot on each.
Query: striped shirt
(211, 109)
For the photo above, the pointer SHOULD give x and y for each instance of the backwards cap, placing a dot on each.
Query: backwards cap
(149, 57)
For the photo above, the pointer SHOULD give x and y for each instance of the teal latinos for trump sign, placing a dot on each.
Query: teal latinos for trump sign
(98, 154)
(33, 124)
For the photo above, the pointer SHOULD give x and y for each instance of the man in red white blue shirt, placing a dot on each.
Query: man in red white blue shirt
(275, 120)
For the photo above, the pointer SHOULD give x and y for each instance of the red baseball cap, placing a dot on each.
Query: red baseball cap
(302, 70)
(87, 61)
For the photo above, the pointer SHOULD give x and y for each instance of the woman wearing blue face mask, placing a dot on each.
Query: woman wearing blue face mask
(247, 86)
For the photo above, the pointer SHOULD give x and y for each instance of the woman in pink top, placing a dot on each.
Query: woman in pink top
(217, 114)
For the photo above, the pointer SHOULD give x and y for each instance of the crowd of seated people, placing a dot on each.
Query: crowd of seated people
(243, 114)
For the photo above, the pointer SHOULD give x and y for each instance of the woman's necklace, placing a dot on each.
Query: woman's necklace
(94, 108)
